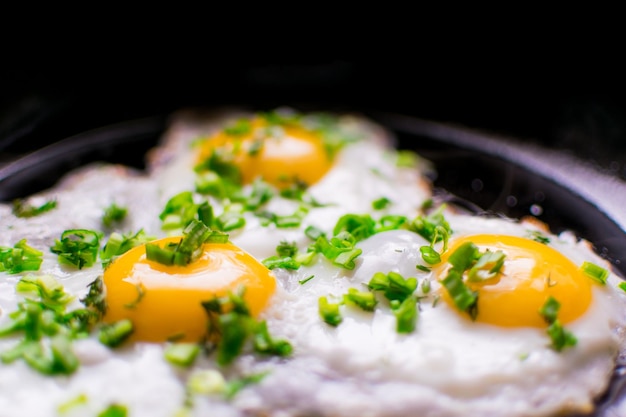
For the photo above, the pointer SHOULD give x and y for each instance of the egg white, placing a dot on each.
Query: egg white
(448, 366)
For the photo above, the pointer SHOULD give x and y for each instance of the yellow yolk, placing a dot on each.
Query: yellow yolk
(531, 273)
(164, 302)
(279, 155)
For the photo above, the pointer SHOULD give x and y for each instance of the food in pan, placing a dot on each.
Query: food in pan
(292, 264)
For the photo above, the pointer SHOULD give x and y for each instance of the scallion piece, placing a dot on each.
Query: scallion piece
(77, 247)
(114, 410)
(285, 262)
(595, 272)
(429, 255)
(406, 315)
(22, 209)
(235, 329)
(381, 203)
(113, 335)
(264, 343)
(363, 299)
(182, 354)
(464, 298)
(329, 311)
(560, 337)
(113, 214)
(487, 266)
(550, 310)
(19, 258)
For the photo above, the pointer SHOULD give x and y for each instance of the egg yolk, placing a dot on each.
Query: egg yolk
(164, 302)
(279, 154)
(531, 273)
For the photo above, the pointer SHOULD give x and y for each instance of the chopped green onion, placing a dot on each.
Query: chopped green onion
(433, 227)
(115, 334)
(487, 266)
(221, 163)
(595, 272)
(114, 410)
(359, 226)
(233, 387)
(464, 298)
(141, 292)
(550, 310)
(69, 405)
(313, 232)
(381, 203)
(429, 255)
(363, 299)
(285, 262)
(285, 248)
(240, 127)
(119, 244)
(182, 354)
(537, 236)
(390, 222)
(77, 247)
(95, 296)
(22, 209)
(309, 278)
(19, 258)
(622, 285)
(560, 337)
(113, 214)
(231, 325)
(407, 159)
(329, 311)
(393, 285)
(406, 315)
(339, 250)
(206, 381)
(264, 343)
(464, 256)
(48, 330)
(230, 220)
(188, 249)
(234, 332)
(65, 361)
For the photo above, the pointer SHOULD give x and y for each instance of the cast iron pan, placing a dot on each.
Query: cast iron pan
(479, 171)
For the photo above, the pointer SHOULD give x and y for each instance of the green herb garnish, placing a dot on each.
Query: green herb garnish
(114, 334)
(231, 327)
(77, 247)
(560, 337)
(19, 258)
(113, 214)
(329, 311)
(595, 272)
(22, 209)
(47, 328)
(182, 354)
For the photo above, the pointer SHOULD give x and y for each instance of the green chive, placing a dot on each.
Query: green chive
(329, 311)
(595, 272)
(363, 299)
(115, 334)
(182, 354)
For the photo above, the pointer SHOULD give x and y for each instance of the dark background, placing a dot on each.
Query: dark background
(568, 96)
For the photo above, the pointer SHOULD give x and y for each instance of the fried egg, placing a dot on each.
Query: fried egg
(365, 297)
(303, 150)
